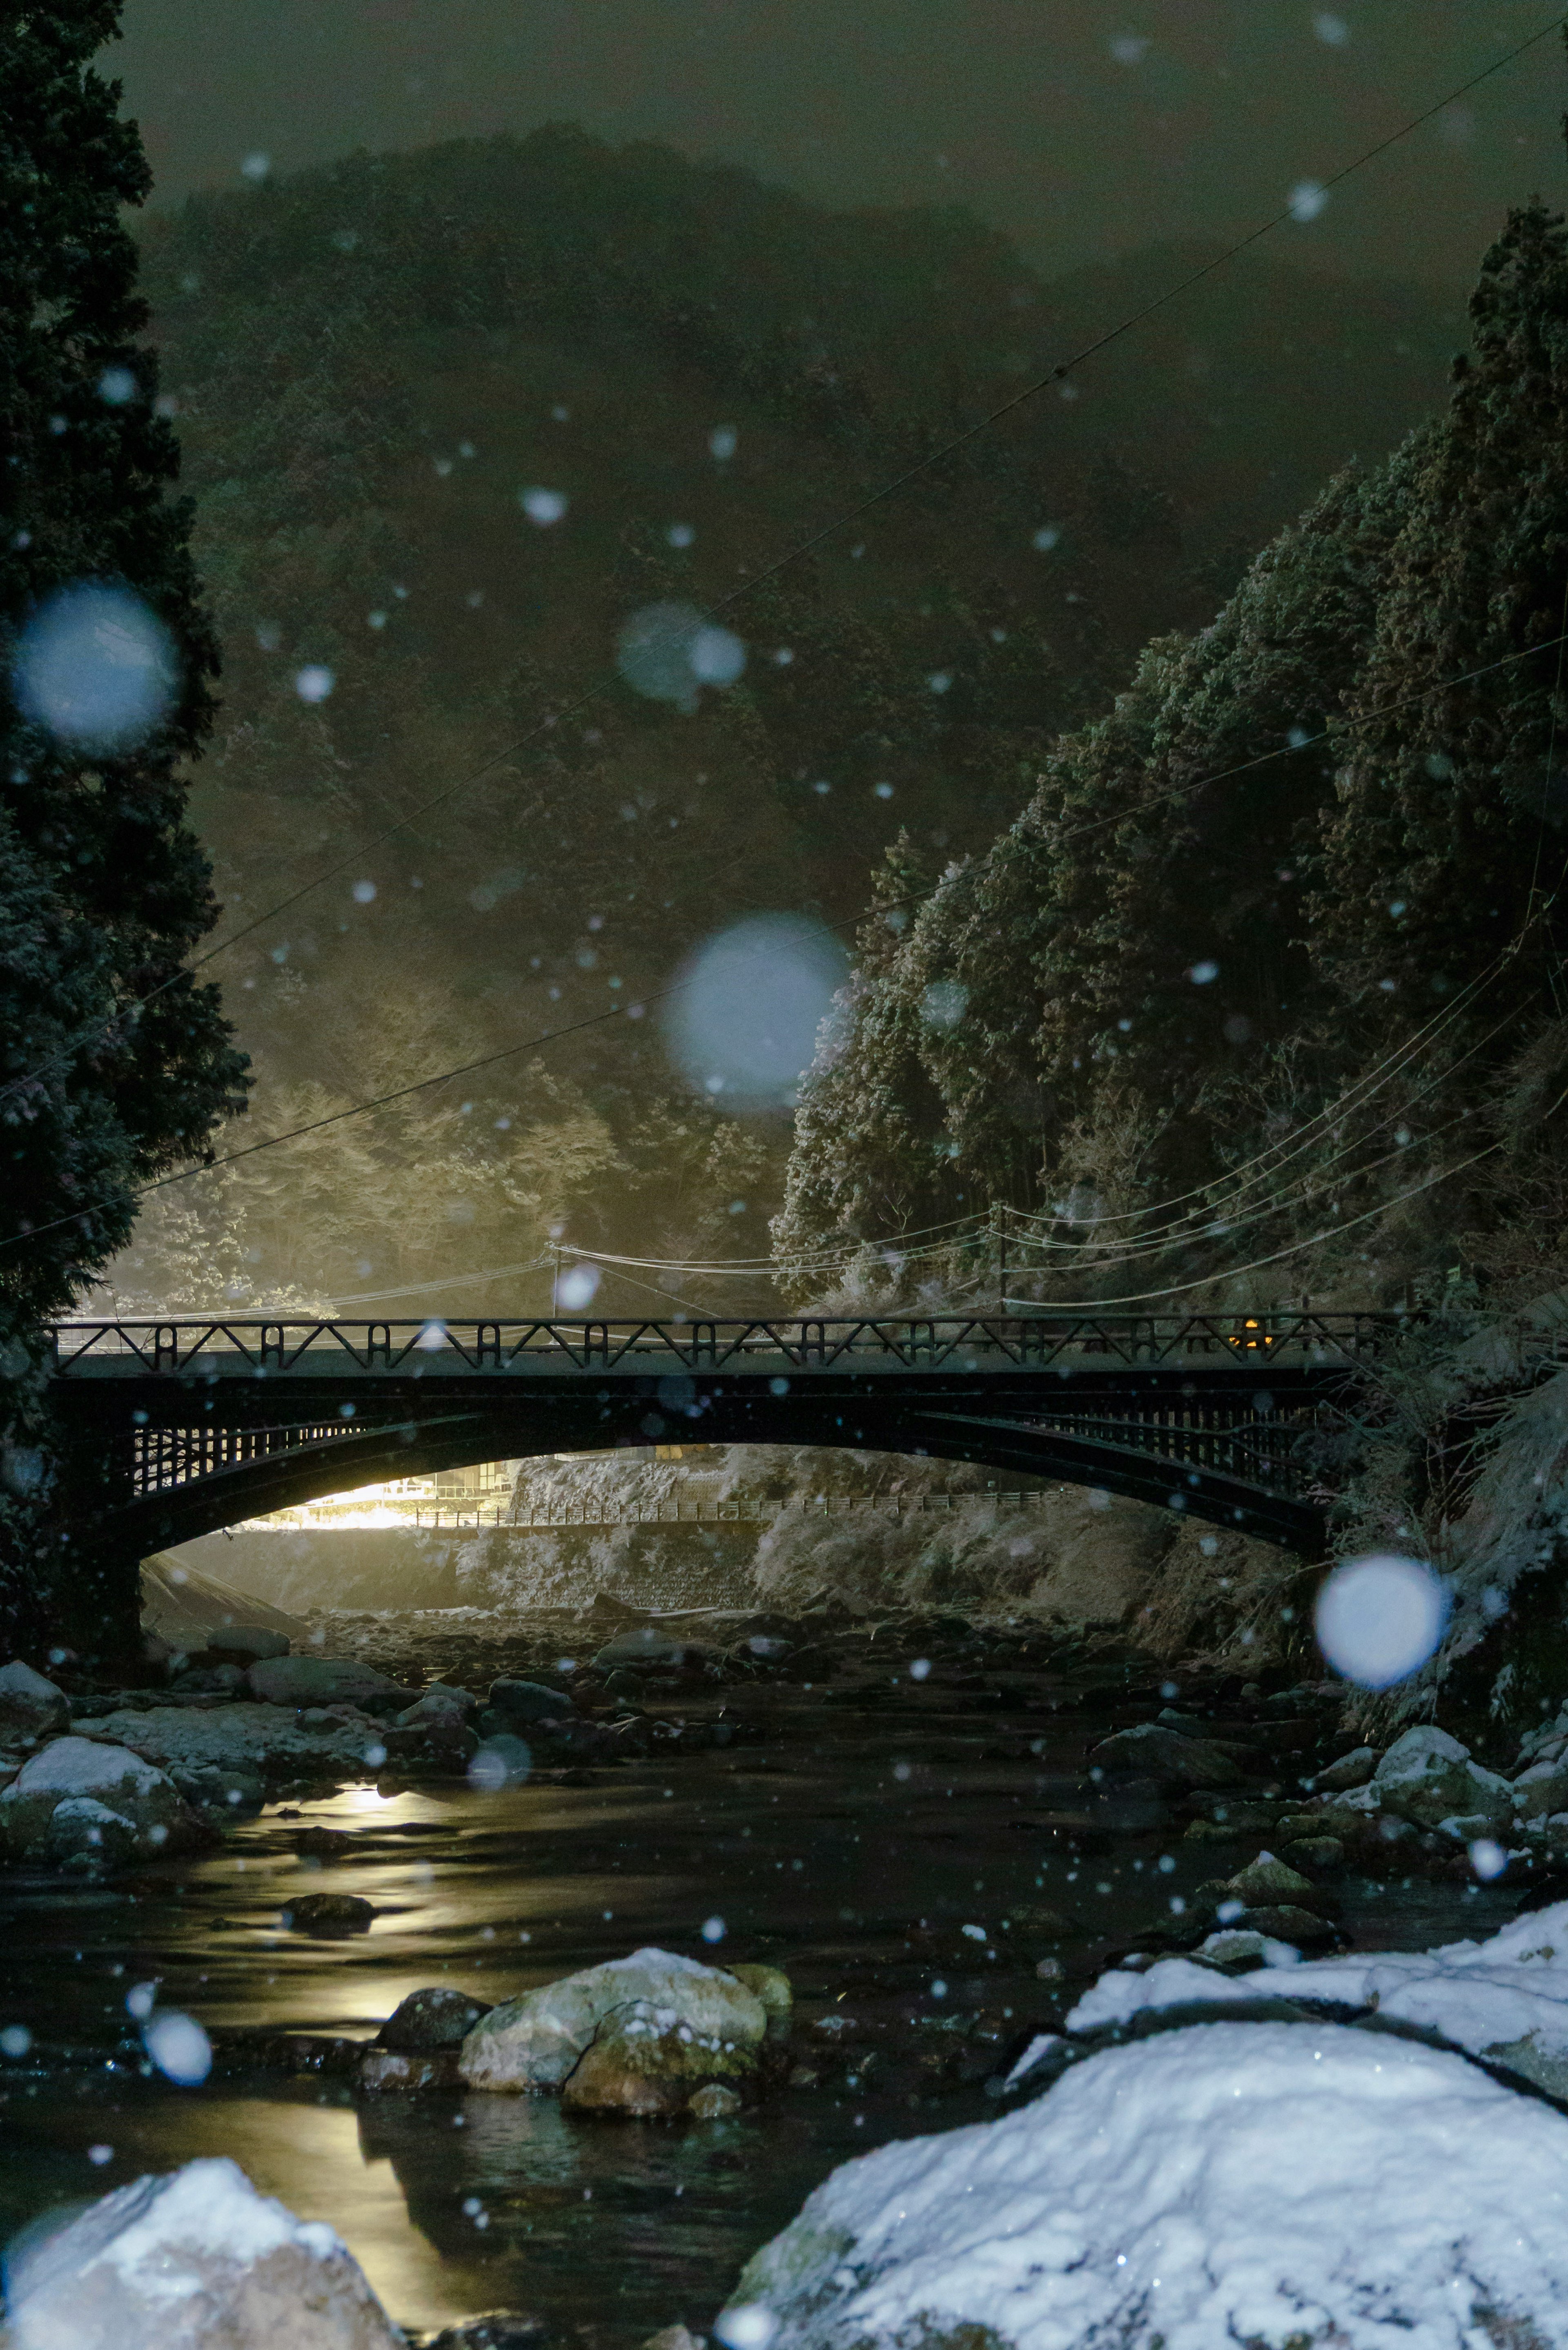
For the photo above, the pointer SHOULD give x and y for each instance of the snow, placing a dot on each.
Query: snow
(1486, 1996)
(153, 2233)
(748, 1003)
(179, 2047)
(82, 1767)
(1379, 1618)
(96, 667)
(88, 1809)
(1238, 2182)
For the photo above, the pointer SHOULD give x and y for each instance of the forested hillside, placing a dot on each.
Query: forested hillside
(375, 366)
(1269, 933)
(1264, 993)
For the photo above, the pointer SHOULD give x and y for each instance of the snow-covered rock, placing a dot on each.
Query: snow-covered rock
(30, 1706)
(193, 1742)
(1256, 2183)
(535, 2042)
(196, 2260)
(1541, 1790)
(81, 1801)
(1427, 1777)
(1505, 1999)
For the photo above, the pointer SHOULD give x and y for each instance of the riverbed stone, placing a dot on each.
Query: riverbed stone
(642, 1644)
(531, 2044)
(328, 1915)
(191, 2260)
(714, 2101)
(321, 1680)
(1268, 1879)
(384, 2069)
(438, 2017)
(646, 2060)
(774, 1988)
(519, 1701)
(1168, 1757)
(1314, 1852)
(79, 1800)
(441, 1701)
(30, 1706)
(1352, 1770)
(1541, 1790)
(249, 1735)
(1286, 1922)
(1427, 1777)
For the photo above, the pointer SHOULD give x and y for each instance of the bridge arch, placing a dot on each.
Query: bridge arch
(191, 1426)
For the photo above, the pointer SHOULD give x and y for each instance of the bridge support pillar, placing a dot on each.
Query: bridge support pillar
(87, 1573)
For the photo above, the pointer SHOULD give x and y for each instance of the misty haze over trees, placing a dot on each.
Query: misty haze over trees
(374, 366)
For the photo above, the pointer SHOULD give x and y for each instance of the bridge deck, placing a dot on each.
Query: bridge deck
(878, 1345)
(190, 1424)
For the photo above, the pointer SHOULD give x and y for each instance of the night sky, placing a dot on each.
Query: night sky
(1081, 128)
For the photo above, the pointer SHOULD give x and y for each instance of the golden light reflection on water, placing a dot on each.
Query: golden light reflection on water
(313, 2158)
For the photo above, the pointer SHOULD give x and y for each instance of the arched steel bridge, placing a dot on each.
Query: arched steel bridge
(172, 1430)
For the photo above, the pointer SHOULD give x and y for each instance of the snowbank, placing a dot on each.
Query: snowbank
(185, 2262)
(1505, 1999)
(1260, 2183)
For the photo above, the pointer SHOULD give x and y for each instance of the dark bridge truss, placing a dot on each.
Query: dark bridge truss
(194, 1425)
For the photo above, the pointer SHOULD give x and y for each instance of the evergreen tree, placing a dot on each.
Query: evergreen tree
(1449, 835)
(114, 1063)
(870, 1156)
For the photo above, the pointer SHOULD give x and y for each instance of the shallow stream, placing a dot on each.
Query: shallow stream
(908, 1850)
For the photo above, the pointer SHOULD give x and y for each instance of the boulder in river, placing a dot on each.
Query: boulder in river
(81, 1801)
(1541, 1791)
(1268, 1879)
(534, 2043)
(1352, 1770)
(1172, 1760)
(330, 1917)
(441, 1701)
(321, 1680)
(429, 2020)
(645, 1645)
(1427, 1777)
(519, 1701)
(774, 1988)
(189, 2261)
(646, 2060)
(30, 1706)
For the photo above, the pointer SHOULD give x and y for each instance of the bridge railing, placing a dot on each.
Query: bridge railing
(232, 1346)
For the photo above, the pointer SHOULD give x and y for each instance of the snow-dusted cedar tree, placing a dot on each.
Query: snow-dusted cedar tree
(114, 1065)
(1200, 911)
(1052, 974)
(1450, 830)
(871, 1158)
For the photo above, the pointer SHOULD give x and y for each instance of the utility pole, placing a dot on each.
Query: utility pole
(1001, 1261)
